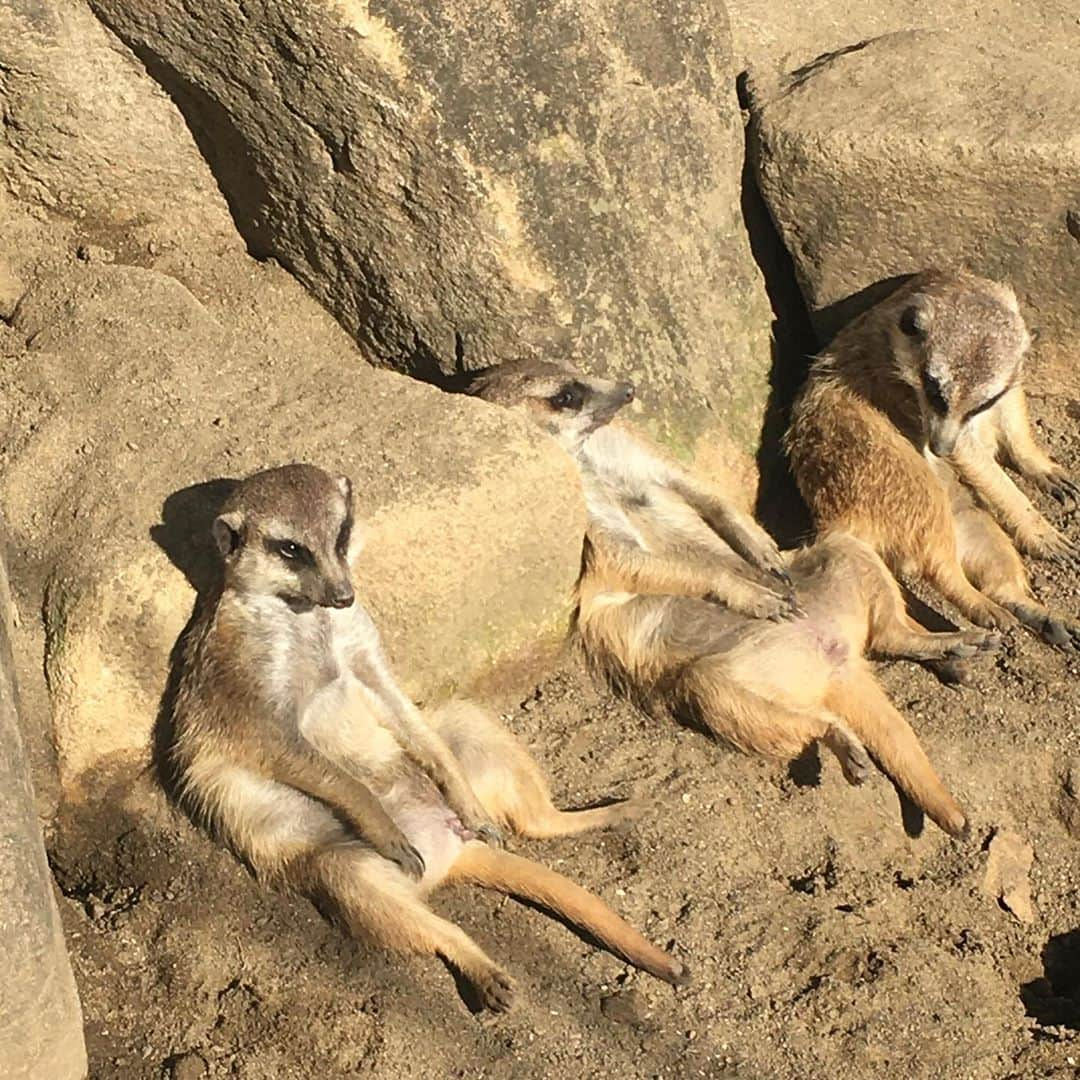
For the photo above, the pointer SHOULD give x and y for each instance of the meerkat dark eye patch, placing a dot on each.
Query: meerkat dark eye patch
(569, 398)
(989, 403)
(343, 537)
(934, 395)
(914, 322)
(290, 551)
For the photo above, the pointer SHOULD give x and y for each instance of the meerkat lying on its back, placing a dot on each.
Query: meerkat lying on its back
(293, 742)
(656, 527)
(904, 418)
(648, 615)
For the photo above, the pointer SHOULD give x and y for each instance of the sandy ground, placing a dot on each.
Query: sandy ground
(824, 941)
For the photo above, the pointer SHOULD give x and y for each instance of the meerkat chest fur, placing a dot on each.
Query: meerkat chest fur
(628, 492)
(305, 670)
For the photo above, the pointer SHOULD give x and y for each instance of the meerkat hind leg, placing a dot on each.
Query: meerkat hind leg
(894, 745)
(994, 565)
(374, 900)
(756, 724)
(507, 780)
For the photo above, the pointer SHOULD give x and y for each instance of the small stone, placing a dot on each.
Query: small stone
(1072, 223)
(1072, 779)
(186, 1067)
(1007, 869)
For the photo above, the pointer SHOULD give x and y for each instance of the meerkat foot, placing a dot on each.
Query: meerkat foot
(1062, 633)
(952, 672)
(971, 642)
(854, 761)
(992, 616)
(494, 989)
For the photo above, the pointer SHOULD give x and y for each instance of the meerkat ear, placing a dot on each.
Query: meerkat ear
(915, 320)
(226, 530)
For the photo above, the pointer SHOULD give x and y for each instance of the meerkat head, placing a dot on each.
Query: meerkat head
(287, 532)
(566, 404)
(959, 341)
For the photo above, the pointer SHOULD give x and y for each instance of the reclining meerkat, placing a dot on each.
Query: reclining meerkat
(897, 437)
(648, 614)
(294, 744)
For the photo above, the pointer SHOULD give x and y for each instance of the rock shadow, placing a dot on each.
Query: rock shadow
(779, 506)
(184, 535)
(1054, 999)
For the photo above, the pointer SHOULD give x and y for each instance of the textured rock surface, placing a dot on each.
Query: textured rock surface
(40, 1022)
(783, 37)
(149, 353)
(919, 149)
(454, 177)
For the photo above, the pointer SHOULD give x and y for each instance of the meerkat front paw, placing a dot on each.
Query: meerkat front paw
(408, 860)
(489, 833)
(1059, 485)
(762, 603)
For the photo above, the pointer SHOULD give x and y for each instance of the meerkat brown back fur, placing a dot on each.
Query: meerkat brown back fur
(649, 615)
(294, 744)
(897, 438)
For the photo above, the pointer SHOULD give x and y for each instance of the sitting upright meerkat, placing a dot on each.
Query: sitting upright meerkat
(897, 436)
(655, 612)
(294, 744)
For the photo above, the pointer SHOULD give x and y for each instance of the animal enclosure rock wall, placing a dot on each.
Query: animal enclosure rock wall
(917, 149)
(458, 180)
(40, 1021)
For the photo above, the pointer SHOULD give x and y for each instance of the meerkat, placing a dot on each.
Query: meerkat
(658, 630)
(293, 743)
(898, 435)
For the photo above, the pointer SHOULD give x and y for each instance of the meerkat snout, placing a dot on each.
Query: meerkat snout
(287, 533)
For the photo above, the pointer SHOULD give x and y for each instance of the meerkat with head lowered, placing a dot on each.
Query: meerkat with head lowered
(294, 744)
(648, 614)
(897, 438)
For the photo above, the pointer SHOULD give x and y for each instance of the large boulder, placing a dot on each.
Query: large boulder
(41, 1034)
(146, 402)
(918, 149)
(454, 179)
(147, 359)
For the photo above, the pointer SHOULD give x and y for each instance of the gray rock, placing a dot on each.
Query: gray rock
(40, 1020)
(918, 149)
(454, 179)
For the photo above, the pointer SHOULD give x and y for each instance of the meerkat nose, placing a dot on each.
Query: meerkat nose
(342, 599)
(627, 391)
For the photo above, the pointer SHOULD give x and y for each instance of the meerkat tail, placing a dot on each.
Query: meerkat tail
(549, 821)
(894, 745)
(515, 876)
